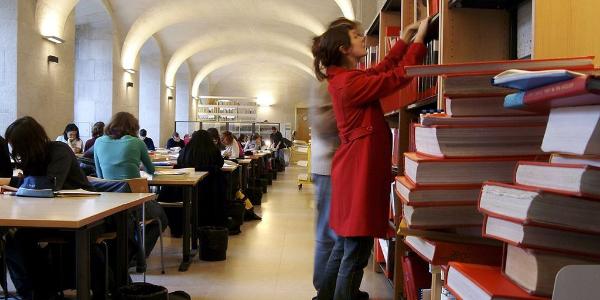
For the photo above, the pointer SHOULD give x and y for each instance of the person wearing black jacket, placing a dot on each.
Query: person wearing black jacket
(148, 141)
(175, 141)
(203, 155)
(30, 269)
(6, 168)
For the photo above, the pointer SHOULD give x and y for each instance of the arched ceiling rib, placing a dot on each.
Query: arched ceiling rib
(51, 16)
(232, 37)
(235, 58)
(171, 12)
(347, 9)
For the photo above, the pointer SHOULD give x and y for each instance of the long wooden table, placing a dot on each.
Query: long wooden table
(78, 214)
(190, 209)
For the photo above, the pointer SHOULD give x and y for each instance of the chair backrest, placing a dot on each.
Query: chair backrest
(136, 185)
(4, 181)
(577, 282)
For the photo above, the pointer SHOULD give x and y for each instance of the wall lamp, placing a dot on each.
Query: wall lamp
(52, 59)
(53, 39)
(170, 98)
(130, 71)
(129, 84)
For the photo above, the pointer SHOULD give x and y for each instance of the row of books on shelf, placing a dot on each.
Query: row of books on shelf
(504, 196)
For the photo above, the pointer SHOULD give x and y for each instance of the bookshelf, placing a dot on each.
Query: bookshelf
(237, 128)
(477, 30)
(227, 111)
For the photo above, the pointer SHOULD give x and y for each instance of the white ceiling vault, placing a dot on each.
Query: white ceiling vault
(213, 36)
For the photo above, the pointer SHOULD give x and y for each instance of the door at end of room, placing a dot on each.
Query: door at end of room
(302, 124)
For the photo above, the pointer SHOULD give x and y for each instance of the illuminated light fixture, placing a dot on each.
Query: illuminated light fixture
(264, 100)
(52, 59)
(53, 39)
(129, 84)
(170, 87)
(130, 71)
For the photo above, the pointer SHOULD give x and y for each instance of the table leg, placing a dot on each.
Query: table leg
(194, 220)
(122, 241)
(187, 203)
(82, 244)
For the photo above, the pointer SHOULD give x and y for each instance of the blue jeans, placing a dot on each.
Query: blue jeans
(344, 270)
(324, 237)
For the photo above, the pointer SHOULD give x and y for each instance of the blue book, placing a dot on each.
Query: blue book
(514, 101)
(527, 80)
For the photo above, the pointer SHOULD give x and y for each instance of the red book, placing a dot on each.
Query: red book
(436, 195)
(481, 282)
(579, 91)
(542, 237)
(569, 179)
(533, 206)
(434, 7)
(487, 67)
(441, 253)
(416, 276)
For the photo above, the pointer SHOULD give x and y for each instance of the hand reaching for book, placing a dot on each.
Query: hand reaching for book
(409, 32)
(422, 31)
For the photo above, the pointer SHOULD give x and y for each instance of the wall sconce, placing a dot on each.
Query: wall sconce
(52, 59)
(130, 71)
(170, 98)
(53, 39)
(129, 84)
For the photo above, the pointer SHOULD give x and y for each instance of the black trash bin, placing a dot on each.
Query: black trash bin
(213, 243)
(145, 291)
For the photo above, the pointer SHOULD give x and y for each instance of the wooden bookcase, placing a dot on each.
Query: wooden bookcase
(484, 30)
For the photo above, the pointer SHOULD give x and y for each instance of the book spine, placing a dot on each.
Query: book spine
(562, 89)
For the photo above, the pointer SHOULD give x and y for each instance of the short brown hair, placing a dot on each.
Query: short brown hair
(121, 124)
(98, 129)
(227, 137)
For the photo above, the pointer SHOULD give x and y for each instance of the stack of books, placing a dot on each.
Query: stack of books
(549, 217)
(476, 140)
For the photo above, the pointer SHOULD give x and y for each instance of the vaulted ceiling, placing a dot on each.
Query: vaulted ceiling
(248, 43)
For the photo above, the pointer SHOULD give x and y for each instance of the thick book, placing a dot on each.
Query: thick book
(529, 205)
(577, 180)
(526, 80)
(436, 195)
(436, 217)
(441, 253)
(542, 238)
(431, 120)
(590, 160)
(482, 282)
(473, 84)
(479, 141)
(579, 91)
(535, 270)
(573, 130)
(572, 63)
(470, 234)
(427, 170)
(477, 106)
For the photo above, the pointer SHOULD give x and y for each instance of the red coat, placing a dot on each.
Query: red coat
(361, 171)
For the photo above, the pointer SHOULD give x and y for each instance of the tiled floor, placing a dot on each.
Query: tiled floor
(271, 259)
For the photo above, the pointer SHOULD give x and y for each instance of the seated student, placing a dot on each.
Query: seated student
(6, 168)
(71, 137)
(97, 131)
(186, 139)
(148, 141)
(232, 147)
(119, 152)
(203, 155)
(216, 138)
(36, 155)
(255, 143)
(118, 155)
(175, 141)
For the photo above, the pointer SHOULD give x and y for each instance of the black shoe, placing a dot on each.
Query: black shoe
(251, 216)
(362, 295)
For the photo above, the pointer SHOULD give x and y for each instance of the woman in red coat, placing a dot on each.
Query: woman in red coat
(361, 171)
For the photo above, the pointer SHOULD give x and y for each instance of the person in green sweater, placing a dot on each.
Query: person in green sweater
(119, 152)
